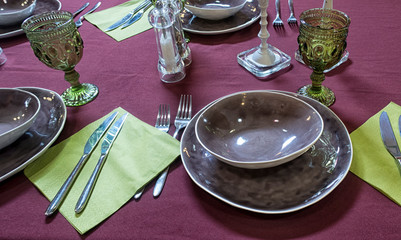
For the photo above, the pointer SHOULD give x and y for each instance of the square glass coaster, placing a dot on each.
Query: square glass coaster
(342, 60)
(281, 62)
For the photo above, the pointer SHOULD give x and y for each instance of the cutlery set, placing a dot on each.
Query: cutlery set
(88, 149)
(184, 114)
(183, 117)
(277, 22)
(82, 18)
(132, 17)
(388, 137)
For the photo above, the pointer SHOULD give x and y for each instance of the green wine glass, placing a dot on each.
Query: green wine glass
(322, 41)
(57, 43)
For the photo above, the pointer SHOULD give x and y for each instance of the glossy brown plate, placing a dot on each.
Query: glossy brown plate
(41, 6)
(33, 143)
(245, 17)
(285, 188)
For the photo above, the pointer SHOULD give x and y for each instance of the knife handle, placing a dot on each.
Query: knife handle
(83, 199)
(59, 197)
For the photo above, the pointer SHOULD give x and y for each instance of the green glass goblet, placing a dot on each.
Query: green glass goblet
(322, 41)
(57, 43)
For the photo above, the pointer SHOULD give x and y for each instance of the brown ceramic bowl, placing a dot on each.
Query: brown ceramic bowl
(18, 111)
(214, 9)
(13, 12)
(258, 129)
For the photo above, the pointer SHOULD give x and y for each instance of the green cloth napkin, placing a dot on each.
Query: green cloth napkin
(372, 162)
(139, 154)
(104, 19)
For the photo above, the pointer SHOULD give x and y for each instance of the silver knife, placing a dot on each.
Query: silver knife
(106, 145)
(80, 9)
(88, 149)
(388, 137)
(127, 17)
(137, 16)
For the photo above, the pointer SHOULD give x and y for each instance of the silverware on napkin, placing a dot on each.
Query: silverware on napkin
(182, 119)
(106, 145)
(388, 137)
(162, 124)
(137, 16)
(88, 149)
(79, 22)
(128, 16)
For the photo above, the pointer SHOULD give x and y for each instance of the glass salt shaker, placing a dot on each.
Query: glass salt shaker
(183, 48)
(170, 64)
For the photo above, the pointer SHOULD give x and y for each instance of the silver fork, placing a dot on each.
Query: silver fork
(184, 114)
(291, 19)
(79, 22)
(163, 124)
(277, 22)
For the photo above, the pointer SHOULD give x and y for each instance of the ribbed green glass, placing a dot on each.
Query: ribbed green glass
(57, 43)
(322, 41)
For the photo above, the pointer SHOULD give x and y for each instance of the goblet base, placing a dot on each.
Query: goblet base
(325, 96)
(80, 95)
(281, 61)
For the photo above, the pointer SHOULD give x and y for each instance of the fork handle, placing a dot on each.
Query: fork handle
(177, 130)
(157, 190)
(291, 6)
(278, 7)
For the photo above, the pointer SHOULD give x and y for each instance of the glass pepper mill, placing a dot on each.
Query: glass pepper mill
(183, 49)
(170, 65)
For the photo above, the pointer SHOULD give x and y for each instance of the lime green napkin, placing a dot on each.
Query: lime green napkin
(104, 19)
(372, 162)
(139, 153)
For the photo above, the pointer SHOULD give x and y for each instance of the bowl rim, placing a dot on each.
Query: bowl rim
(216, 9)
(268, 163)
(31, 4)
(33, 115)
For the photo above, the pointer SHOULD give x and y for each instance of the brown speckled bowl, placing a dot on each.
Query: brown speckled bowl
(258, 129)
(213, 9)
(18, 111)
(286, 188)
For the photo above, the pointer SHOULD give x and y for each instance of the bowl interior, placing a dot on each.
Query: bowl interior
(214, 9)
(258, 127)
(215, 4)
(17, 107)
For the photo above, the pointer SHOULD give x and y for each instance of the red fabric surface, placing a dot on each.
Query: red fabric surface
(126, 75)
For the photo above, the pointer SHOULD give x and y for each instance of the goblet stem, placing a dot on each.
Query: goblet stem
(317, 79)
(316, 91)
(78, 94)
(72, 77)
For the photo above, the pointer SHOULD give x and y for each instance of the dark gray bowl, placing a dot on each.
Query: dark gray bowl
(214, 10)
(18, 111)
(14, 12)
(258, 129)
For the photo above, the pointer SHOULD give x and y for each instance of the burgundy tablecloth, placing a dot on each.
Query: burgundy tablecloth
(126, 75)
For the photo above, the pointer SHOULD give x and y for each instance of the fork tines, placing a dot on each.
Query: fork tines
(163, 115)
(185, 107)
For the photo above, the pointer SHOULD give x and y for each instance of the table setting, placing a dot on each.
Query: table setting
(199, 119)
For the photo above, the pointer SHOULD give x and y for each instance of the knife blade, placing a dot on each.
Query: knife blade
(105, 148)
(127, 17)
(388, 137)
(137, 16)
(88, 149)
